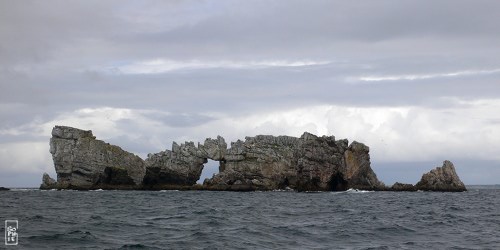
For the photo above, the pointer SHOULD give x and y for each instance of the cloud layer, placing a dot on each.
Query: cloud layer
(418, 83)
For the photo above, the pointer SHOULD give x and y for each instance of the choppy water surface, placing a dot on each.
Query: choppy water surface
(255, 220)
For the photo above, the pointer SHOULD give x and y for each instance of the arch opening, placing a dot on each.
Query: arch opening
(210, 168)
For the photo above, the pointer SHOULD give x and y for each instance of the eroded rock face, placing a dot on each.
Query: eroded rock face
(442, 178)
(180, 166)
(308, 163)
(48, 182)
(359, 173)
(83, 162)
(183, 164)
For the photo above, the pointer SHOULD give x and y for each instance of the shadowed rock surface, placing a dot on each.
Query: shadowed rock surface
(442, 178)
(82, 162)
(403, 187)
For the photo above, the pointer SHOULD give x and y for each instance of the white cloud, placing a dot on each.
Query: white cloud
(26, 157)
(161, 66)
(375, 78)
(394, 134)
(104, 120)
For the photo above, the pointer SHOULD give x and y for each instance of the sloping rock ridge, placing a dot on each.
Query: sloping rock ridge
(263, 162)
(82, 162)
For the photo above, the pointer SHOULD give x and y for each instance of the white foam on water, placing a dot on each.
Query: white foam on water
(357, 191)
(23, 189)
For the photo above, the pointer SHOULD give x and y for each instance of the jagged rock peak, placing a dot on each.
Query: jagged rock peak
(48, 182)
(308, 136)
(214, 149)
(183, 164)
(442, 178)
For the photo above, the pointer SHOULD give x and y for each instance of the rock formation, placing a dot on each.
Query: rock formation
(403, 187)
(442, 178)
(308, 163)
(4, 189)
(48, 182)
(183, 164)
(82, 162)
(263, 162)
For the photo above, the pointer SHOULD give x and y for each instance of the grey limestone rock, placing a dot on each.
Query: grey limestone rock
(442, 178)
(180, 166)
(359, 173)
(214, 149)
(82, 162)
(48, 182)
(308, 163)
(183, 164)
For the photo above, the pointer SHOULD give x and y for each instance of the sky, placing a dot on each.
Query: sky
(417, 81)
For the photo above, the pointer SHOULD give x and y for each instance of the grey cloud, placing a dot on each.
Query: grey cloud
(233, 91)
(56, 57)
(334, 28)
(182, 120)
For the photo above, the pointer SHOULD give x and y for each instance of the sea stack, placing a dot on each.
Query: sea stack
(82, 162)
(443, 179)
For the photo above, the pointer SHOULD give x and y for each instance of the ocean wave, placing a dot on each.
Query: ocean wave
(287, 189)
(24, 189)
(357, 191)
(265, 220)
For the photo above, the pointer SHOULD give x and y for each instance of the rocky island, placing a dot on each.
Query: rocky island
(263, 162)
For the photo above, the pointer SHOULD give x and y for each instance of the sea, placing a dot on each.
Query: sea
(279, 219)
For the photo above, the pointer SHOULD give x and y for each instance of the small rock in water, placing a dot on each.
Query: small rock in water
(442, 178)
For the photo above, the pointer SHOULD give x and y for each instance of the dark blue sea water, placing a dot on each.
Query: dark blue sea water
(254, 220)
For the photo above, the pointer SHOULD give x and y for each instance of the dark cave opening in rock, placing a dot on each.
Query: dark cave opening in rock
(337, 183)
(209, 169)
(115, 176)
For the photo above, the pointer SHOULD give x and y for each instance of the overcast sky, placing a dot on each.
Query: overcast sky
(418, 82)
